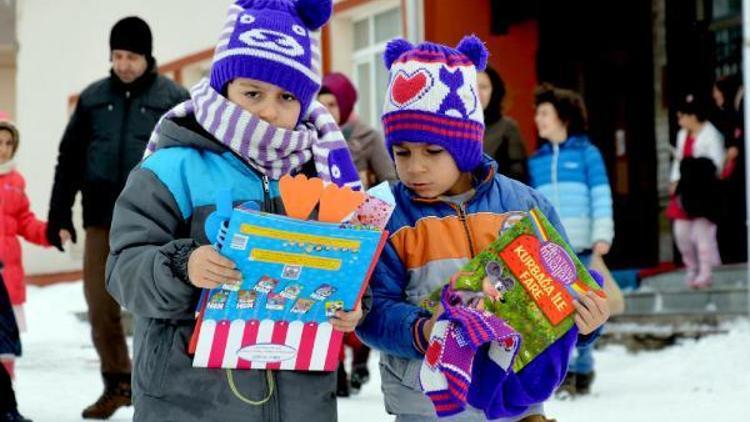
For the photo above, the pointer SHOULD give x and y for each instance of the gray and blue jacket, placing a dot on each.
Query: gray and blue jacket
(158, 221)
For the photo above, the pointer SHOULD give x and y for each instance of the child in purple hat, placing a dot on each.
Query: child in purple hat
(253, 121)
(451, 203)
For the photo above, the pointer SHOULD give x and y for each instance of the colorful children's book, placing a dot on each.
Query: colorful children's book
(528, 277)
(296, 275)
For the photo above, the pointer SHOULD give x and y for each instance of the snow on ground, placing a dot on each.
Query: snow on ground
(708, 379)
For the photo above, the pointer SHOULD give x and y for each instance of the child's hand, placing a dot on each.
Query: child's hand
(207, 269)
(427, 328)
(592, 312)
(347, 321)
(601, 248)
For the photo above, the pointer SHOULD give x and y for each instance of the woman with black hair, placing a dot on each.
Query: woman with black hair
(502, 139)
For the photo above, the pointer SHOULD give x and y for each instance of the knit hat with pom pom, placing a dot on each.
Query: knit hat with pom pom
(270, 41)
(433, 97)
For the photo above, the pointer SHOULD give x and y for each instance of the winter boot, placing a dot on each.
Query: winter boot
(568, 387)
(13, 416)
(537, 418)
(342, 382)
(116, 395)
(360, 376)
(583, 383)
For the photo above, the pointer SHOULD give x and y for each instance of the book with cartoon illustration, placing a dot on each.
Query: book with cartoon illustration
(297, 274)
(529, 277)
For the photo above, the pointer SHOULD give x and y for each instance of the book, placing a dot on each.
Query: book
(296, 274)
(529, 277)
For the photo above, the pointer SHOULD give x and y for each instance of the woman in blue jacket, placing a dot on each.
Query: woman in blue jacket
(569, 171)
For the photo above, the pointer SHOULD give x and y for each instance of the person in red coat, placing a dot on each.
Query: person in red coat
(16, 219)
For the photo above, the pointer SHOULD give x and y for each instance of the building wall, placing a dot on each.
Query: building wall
(8, 85)
(63, 47)
(513, 54)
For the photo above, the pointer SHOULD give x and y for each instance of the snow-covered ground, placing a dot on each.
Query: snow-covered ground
(700, 380)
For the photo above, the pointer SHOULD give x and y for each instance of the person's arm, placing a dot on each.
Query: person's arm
(69, 174)
(603, 225)
(674, 174)
(379, 160)
(147, 268)
(392, 323)
(29, 227)
(716, 151)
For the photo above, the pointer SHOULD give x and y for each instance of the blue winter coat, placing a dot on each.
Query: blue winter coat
(573, 177)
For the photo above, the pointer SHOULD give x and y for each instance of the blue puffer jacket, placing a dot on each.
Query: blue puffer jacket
(573, 177)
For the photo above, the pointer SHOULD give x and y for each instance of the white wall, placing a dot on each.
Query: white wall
(63, 47)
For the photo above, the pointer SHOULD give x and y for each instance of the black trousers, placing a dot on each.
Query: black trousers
(7, 396)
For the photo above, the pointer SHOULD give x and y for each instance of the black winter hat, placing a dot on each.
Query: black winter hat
(131, 34)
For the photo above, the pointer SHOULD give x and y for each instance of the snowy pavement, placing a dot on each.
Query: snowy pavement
(700, 380)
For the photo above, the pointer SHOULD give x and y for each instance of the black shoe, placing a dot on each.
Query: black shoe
(567, 388)
(360, 377)
(342, 383)
(583, 383)
(13, 416)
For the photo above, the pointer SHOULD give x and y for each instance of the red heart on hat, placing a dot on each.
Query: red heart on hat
(409, 87)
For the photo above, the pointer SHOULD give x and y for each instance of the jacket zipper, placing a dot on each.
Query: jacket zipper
(268, 205)
(462, 216)
(121, 144)
(555, 158)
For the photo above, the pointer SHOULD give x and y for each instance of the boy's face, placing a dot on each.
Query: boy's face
(267, 101)
(429, 170)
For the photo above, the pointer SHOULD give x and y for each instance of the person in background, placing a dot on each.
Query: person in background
(105, 138)
(729, 119)
(502, 138)
(569, 171)
(339, 96)
(16, 219)
(698, 161)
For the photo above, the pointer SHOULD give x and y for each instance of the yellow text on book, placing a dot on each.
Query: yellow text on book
(302, 260)
(333, 242)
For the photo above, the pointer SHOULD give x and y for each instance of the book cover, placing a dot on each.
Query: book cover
(529, 277)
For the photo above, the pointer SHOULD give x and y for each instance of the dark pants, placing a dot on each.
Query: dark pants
(104, 313)
(7, 396)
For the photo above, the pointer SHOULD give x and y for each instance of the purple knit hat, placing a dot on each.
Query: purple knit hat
(433, 97)
(269, 40)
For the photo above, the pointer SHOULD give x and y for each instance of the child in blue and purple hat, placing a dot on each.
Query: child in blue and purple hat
(451, 203)
(252, 122)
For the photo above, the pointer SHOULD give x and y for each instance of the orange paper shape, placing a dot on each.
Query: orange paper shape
(300, 195)
(337, 203)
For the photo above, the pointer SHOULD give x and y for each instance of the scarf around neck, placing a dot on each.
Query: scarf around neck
(270, 150)
(7, 167)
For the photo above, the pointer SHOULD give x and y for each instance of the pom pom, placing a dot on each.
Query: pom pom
(314, 13)
(395, 49)
(473, 48)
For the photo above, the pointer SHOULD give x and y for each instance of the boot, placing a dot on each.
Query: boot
(13, 416)
(116, 395)
(342, 383)
(537, 418)
(360, 376)
(583, 383)
(568, 387)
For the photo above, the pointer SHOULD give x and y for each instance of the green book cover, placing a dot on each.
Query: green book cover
(529, 277)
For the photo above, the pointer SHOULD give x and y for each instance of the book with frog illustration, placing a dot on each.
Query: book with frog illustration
(529, 277)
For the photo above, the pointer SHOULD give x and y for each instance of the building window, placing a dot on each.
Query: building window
(371, 34)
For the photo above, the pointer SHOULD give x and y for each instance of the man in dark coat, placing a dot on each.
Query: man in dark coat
(105, 138)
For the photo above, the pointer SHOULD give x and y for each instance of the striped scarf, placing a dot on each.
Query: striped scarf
(270, 150)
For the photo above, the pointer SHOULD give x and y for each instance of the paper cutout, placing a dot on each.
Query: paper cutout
(300, 195)
(338, 203)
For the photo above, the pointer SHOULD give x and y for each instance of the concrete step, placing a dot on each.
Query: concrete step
(667, 294)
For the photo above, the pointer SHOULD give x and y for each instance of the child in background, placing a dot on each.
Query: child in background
(570, 172)
(10, 344)
(16, 219)
(252, 123)
(450, 204)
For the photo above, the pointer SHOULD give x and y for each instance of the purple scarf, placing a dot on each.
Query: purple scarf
(272, 151)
